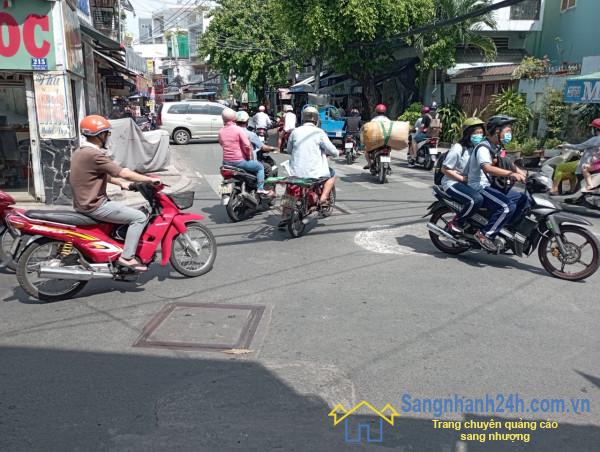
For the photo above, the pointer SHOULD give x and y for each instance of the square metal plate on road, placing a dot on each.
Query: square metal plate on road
(202, 326)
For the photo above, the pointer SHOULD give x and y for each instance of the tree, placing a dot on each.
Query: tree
(347, 34)
(438, 48)
(244, 40)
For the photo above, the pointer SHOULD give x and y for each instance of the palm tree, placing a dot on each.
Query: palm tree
(466, 34)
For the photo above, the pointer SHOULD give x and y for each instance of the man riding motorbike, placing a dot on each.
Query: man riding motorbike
(454, 167)
(289, 124)
(503, 206)
(589, 148)
(237, 150)
(241, 119)
(91, 170)
(261, 119)
(309, 147)
(421, 127)
(381, 116)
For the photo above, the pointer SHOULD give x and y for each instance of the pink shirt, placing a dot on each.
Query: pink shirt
(235, 143)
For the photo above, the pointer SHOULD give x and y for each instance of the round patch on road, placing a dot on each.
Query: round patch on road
(408, 240)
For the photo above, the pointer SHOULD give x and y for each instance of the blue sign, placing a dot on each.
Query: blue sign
(84, 6)
(582, 91)
(39, 64)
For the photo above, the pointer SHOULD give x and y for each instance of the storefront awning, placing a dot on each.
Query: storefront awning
(105, 41)
(120, 67)
(584, 89)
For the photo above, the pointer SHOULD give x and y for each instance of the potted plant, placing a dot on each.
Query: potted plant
(531, 153)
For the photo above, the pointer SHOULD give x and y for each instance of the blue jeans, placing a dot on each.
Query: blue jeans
(502, 207)
(420, 136)
(470, 198)
(252, 166)
(520, 202)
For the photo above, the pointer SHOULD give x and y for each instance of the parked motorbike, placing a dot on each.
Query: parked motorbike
(7, 236)
(63, 250)
(427, 153)
(559, 237)
(350, 149)
(238, 189)
(381, 164)
(301, 202)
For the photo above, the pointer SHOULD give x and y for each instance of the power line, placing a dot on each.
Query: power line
(176, 18)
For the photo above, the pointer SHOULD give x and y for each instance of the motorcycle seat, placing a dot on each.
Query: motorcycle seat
(61, 216)
(240, 171)
(438, 191)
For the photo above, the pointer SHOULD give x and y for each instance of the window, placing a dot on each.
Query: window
(526, 10)
(215, 110)
(567, 4)
(178, 109)
(199, 110)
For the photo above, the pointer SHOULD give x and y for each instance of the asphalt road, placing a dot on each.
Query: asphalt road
(361, 308)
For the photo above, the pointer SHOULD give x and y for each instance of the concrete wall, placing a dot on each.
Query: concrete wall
(535, 91)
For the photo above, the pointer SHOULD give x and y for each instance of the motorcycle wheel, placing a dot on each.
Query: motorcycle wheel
(549, 253)
(236, 209)
(295, 225)
(44, 289)
(349, 159)
(6, 241)
(441, 217)
(185, 262)
(382, 175)
(428, 163)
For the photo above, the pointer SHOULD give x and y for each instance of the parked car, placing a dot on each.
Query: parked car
(189, 120)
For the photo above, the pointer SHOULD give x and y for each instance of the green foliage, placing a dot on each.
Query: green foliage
(555, 113)
(587, 113)
(452, 117)
(438, 48)
(529, 146)
(412, 113)
(513, 146)
(552, 143)
(530, 67)
(512, 103)
(245, 40)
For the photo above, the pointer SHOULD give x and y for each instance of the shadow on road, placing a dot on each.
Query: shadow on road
(55, 400)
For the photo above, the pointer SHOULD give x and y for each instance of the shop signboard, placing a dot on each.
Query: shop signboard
(73, 44)
(26, 35)
(54, 106)
(115, 82)
(584, 89)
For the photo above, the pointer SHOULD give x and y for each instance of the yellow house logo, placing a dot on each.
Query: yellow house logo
(340, 414)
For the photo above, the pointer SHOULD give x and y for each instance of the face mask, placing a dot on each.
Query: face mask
(507, 138)
(476, 139)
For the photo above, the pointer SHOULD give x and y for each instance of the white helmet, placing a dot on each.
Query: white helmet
(242, 116)
(261, 108)
(287, 108)
(310, 114)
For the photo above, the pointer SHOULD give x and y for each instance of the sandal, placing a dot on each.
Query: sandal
(137, 267)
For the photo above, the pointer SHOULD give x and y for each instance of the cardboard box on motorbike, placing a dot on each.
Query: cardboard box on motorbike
(377, 134)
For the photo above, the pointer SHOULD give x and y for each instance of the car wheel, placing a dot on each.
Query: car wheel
(181, 136)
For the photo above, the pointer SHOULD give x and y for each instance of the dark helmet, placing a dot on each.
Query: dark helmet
(497, 122)
(538, 183)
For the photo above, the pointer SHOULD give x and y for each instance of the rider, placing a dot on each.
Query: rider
(421, 126)
(261, 119)
(381, 116)
(589, 148)
(241, 119)
(503, 206)
(237, 150)
(91, 170)
(454, 168)
(309, 147)
(289, 123)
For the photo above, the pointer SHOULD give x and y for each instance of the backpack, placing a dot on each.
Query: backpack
(500, 183)
(435, 128)
(438, 175)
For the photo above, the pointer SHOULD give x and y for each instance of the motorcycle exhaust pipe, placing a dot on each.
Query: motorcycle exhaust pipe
(73, 273)
(249, 199)
(439, 231)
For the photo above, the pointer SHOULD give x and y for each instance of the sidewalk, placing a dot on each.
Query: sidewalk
(171, 176)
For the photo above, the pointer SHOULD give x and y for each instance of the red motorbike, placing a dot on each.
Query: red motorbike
(63, 250)
(7, 236)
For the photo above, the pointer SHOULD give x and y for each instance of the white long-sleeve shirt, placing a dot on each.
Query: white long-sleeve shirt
(261, 120)
(309, 147)
(289, 123)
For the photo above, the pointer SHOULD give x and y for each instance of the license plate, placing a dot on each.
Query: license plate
(226, 189)
(385, 159)
(338, 134)
(433, 151)
(349, 145)
(288, 201)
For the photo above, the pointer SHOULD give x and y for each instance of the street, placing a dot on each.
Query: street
(362, 307)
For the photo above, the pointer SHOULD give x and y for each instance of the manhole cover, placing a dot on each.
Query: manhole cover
(202, 326)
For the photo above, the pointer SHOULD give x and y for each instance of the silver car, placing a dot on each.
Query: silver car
(189, 120)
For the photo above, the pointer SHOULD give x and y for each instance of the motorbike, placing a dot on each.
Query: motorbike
(427, 153)
(63, 250)
(560, 237)
(381, 166)
(300, 202)
(575, 200)
(350, 149)
(143, 123)
(238, 189)
(7, 236)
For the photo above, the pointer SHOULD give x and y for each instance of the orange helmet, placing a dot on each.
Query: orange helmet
(94, 125)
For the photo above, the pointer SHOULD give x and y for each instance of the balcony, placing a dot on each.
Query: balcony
(105, 18)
